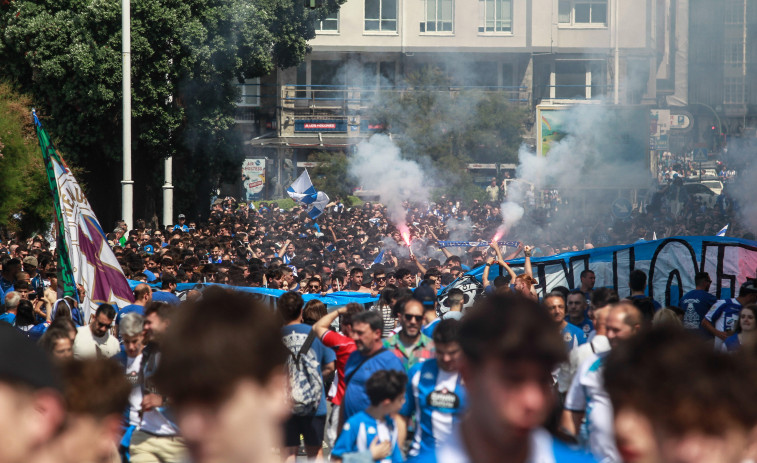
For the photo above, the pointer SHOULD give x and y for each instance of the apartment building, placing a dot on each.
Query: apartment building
(537, 52)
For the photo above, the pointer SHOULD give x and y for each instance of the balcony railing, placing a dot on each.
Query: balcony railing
(337, 98)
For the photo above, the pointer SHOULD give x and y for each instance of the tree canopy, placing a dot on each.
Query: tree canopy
(25, 204)
(187, 57)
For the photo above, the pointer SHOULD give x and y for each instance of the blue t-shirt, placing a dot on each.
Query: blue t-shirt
(572, 336)
(355, 397)
(294, 337)
(360, 430)
(9, 318)
(140, 309)
(695, 305)
(586, 326)
(164, 296)
(436, 399)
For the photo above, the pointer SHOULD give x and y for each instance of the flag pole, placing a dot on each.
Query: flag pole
(127, 184)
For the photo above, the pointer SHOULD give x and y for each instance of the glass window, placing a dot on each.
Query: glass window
(329, 24)
(439, 16)
(570, 79)
(495, 15)
(582, 12)
(381, 15)
(249, 92)
(733, 90)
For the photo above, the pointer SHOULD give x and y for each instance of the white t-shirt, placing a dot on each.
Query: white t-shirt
(87, 345)
(135, 396)
(597, 345)
(587, 393)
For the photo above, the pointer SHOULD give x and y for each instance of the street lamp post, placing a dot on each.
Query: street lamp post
(127, 184)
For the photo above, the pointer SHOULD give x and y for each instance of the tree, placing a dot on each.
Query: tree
(433, 119)
(25, 204)
(330, 175)
(187, 57)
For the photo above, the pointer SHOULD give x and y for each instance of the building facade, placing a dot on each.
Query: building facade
(537, 52)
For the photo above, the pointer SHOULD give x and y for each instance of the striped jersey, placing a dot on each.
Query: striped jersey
(436, 398)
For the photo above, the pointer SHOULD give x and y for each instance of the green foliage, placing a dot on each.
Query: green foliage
(22, 174)
(288, 203)
(433, 121)
(187, 56)
(330, 176)
(451, 127)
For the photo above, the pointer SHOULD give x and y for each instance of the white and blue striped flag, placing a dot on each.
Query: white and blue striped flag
(303, 192)
(722, 231)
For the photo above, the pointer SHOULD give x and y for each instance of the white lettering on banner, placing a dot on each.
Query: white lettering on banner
(319, 125)
(670, 265)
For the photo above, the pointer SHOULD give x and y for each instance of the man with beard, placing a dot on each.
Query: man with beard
(410, 345)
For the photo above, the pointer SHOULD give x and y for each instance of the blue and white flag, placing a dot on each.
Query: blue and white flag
(317, 207)
(722, 231)
(303, 191)
(379, 258)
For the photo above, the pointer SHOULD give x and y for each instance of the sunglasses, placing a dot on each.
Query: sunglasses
(314, 287)
(410, 318)
(381, 279)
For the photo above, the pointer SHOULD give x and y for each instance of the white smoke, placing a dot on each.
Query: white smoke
(378, 166)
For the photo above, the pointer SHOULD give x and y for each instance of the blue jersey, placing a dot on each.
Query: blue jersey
(437, 400)
(355, 397)
(723, 316)
(360, 430)
(572, 336)
(696, 304)
(542, 449)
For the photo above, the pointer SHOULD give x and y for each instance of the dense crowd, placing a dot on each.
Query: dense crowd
(579, 374)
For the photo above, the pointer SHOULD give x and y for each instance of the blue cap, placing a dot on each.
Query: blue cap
(148, 249)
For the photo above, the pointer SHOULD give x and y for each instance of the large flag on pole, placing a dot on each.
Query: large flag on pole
(303, 191)
(85, 257)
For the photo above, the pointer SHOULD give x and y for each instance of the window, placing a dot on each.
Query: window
(381, 74)
(582, 12)
(249, 92)
(329, 24)
(734, 50)
(495, 16)
(439, 16)
(733, 90)
(381, 15)
(581, 79)
(734, 12)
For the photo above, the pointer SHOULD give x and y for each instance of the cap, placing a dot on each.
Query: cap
(425, 295)
(149, 249)
(28, 365)
(182, 216)
(30, 260)
(749, 287)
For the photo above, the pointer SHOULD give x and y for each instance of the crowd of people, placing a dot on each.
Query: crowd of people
(579, 374)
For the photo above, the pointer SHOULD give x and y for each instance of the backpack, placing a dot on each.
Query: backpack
(305, 382)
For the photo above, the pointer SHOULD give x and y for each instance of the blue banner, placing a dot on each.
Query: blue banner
(670, 265)
(336, 299)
